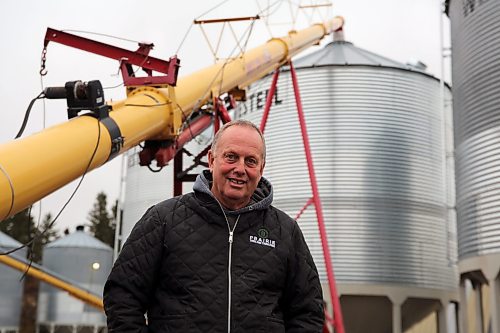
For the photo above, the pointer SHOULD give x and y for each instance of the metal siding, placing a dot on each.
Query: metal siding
(376, 138)
(476, 81)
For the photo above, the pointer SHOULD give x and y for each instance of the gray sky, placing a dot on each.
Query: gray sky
(402, 30)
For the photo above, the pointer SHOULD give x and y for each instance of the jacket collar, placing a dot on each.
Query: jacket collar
(261, 198)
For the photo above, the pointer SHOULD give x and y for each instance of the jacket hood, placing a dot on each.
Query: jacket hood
(261, 199)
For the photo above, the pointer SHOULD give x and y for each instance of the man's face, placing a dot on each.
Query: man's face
(236, 166)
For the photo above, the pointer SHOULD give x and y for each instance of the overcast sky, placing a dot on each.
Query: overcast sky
(403, 30)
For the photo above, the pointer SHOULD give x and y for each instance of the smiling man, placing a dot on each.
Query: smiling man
(236, 161)
(220, 259)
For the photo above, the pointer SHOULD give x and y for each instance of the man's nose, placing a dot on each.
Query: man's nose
(239, 166)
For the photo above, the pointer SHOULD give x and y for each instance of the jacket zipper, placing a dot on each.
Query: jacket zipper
(231, 233)
(230, 240)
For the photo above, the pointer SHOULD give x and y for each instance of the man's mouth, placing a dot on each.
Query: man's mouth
(236, 181)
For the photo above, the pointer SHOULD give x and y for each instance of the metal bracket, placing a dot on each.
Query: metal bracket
(126, 58)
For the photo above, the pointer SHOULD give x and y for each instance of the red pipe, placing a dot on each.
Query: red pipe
(164, 155)
(269, 100)
(338, 321)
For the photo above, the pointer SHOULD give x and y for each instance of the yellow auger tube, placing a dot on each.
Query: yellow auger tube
(82, 295)
(35, 166)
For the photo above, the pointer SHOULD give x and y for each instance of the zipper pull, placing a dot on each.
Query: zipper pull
(230, 237)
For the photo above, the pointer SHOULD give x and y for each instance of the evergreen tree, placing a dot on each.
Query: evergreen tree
(114, 211)
(102, 222)
(44, 234)
(22, 228)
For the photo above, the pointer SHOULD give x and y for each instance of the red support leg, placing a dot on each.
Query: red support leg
(338, 321)
(215, 101)
(269, 100)
(222, 113)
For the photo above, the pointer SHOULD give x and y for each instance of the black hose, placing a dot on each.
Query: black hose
(27, 115)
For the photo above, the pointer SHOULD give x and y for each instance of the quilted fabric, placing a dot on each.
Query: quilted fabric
(174, 269)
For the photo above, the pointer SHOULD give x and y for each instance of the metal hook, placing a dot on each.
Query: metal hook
(43, 71)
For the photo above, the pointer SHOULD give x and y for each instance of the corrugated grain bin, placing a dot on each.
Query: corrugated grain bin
(475, 36)
(376, 129)
(476, 80)
(81, 258)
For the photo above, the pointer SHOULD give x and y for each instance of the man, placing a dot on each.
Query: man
(221, 259)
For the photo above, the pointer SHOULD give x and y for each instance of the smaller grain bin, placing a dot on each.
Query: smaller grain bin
(11, 287)
(85, 260)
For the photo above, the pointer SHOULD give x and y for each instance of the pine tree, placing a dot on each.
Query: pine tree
(102, 222)
(20, 226)
(45, 234)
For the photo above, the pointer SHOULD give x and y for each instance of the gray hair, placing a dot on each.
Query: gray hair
(243, 123)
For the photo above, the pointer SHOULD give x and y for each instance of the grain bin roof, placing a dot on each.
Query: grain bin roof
(344, 53)
(79, 239)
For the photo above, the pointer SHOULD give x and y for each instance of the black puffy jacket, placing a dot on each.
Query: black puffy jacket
(179, 267)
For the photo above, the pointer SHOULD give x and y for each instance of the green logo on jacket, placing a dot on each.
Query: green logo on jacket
(263, 233)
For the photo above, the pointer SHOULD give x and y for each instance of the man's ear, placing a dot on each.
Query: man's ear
(262, 167)
(210, 160)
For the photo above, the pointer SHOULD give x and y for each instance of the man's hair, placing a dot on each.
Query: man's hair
(243, 123)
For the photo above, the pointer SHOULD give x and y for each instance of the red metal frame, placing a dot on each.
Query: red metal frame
(194, 129)
(182, 176)
(338, 323)
(221, 114)
(127, 58)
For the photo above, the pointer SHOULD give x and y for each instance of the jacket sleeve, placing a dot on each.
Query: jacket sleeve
(304, 296)
(131, 283)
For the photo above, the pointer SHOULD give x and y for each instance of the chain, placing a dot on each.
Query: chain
(43, 71)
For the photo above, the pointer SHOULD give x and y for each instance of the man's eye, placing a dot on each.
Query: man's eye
(252, 161)
(231, 157)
